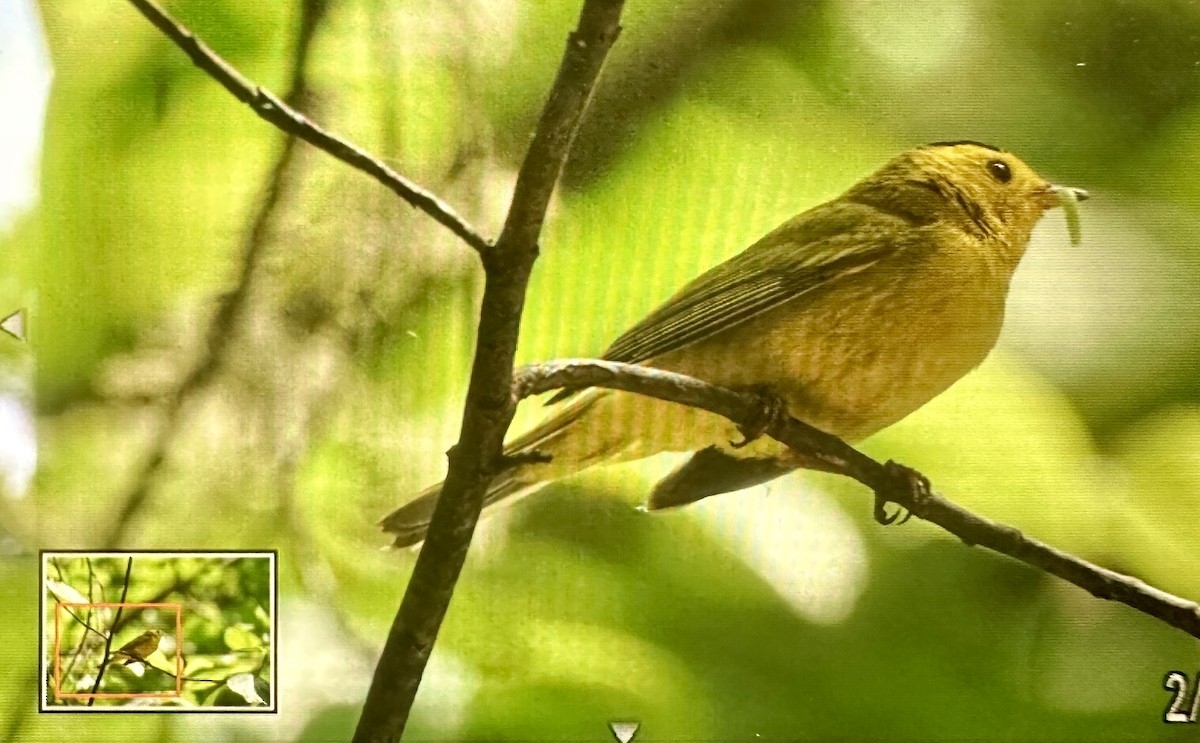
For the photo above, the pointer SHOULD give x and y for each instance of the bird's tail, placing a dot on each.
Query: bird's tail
(409, 523)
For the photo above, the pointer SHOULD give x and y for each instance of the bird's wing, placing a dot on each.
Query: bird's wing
(803, 256)
(144, 644)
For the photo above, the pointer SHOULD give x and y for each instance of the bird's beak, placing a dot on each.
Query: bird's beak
(1080, 194)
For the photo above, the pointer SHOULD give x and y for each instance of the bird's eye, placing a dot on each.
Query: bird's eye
(999, 170)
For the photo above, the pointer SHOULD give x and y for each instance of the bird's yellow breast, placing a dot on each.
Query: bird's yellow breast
(857, 359)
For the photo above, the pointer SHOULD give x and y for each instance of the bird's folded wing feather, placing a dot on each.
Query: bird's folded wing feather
(802, 256)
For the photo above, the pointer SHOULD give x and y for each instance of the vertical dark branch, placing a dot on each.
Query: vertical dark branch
(111, 633)
(490, 403)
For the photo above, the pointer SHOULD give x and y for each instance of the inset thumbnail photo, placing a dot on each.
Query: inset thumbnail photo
(158, 631)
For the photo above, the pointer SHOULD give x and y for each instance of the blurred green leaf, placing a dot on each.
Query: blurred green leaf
(65, 592)
(241, 637)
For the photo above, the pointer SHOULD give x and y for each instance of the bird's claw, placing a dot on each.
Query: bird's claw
(883, 517)
(918, 486)
(772, 409)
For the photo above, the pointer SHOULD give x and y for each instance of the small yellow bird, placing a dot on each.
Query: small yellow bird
(853, 314)
(140, 647)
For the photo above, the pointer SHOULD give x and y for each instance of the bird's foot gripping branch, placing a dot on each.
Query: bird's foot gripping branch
(918, 486)
(772, 409)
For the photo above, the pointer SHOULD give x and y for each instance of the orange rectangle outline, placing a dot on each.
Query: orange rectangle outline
(58, 605)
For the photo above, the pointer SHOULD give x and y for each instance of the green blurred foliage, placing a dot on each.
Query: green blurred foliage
(779, 613)
(112, 133)
(223, 627)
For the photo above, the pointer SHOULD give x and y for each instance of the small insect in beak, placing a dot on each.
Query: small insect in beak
(1068, 198)
(1077, 194)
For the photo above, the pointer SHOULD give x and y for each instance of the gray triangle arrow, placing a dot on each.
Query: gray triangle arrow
(14, 325)
(624, 731)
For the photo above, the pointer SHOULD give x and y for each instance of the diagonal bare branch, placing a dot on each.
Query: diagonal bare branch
(889, 481)
(271, 108)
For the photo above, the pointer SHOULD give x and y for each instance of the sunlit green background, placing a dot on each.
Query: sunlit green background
(783, 612)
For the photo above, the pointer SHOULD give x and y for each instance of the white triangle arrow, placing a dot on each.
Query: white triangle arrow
(624, 731)
(14, 325)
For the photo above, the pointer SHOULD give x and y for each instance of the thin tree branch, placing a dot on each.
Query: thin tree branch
(112, 633)
(197, 679)
(91, 600)
(489, 406)
(270, 108)
(85, 624)
(889, 481)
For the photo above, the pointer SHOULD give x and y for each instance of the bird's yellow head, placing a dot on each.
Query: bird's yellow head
(981, 190)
